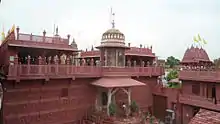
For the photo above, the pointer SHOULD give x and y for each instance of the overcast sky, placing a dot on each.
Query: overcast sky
(167, 25)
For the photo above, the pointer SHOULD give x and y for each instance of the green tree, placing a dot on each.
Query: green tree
(217, 63)
(172, 61)
(172, 75)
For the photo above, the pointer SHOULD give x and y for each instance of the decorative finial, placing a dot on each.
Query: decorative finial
(113, 20)
(57, 30)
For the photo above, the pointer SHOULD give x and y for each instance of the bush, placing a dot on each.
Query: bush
(134, 106)
(112, 109)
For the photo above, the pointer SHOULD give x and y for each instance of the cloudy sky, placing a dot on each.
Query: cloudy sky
(167, 25)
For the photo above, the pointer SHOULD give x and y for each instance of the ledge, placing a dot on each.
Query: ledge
(198, 101)
(208, 76)
(20, 72)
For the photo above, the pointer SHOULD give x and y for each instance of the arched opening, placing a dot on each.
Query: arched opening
(104, 97)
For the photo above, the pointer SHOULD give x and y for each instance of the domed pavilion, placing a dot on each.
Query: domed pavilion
(196, 57)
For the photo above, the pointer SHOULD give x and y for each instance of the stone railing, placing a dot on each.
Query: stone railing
(211, 76)
(54, 71)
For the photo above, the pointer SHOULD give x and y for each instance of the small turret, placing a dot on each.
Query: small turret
(73, 44)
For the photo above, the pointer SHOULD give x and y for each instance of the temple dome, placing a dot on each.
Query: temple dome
(113, 35)
(195, 55)
(73, 44)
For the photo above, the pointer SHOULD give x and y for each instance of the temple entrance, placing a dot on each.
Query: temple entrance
(195, 110)
(214, 94)
(159, 107)
(104, 98)
(109, 87)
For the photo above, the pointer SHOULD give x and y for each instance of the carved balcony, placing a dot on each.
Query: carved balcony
(199, 101)
(209, 76)
(17, 72)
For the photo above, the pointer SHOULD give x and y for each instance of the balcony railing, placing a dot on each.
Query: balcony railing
(54, 71)
(211, 76)
(199, 101)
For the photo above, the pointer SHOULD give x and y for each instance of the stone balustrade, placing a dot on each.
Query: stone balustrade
(209, 76)
(25, 71)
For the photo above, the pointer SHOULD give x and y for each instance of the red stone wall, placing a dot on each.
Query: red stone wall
(187, 87)
(187, 113)
(57, 101)
(143, 95)
(4, 54)
(218, 93)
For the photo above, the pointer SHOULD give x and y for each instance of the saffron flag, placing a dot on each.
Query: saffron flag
(204, 41)
(199, 38)
(195, 40)
(3, 36)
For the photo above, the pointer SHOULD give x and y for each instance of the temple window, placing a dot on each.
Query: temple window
(64, 92)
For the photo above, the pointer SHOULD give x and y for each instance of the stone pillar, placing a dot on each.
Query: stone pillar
(142, 64)
(28, 63)
(135, 63)
(31, 37)
(129, 63)
(205, 90)
(17, 67)
(92, 62)
(68, 37)
(49, 60)
(83, 62)
(148, 63)
(109, 100)
(17, 29)
(129, 44)
(28, 60)
(39, 60)
(68, 65)
(44, 36)
(68, 60)
(56, 62)
(129, 100)
(16, 59)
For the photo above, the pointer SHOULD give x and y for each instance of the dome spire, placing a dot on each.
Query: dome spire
(112, 18)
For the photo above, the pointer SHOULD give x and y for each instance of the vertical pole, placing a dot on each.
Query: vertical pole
(109, 101)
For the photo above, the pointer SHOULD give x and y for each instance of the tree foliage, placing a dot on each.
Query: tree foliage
(217, 63)
(134, 107)
(112, 109)
(172, 75)
(172, 61)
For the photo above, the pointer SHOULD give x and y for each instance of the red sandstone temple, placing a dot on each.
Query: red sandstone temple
(48, 82)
